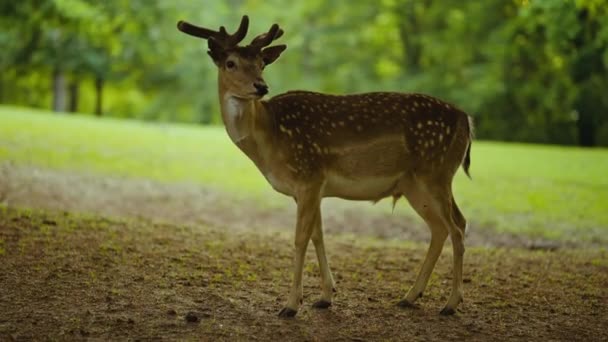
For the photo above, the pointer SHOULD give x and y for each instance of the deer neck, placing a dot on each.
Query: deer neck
(238, 116)
(246, 123)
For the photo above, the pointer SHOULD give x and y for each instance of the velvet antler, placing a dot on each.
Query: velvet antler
(221, 37)
(266, 38)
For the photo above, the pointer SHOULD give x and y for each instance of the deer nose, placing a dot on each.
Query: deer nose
(262, 88)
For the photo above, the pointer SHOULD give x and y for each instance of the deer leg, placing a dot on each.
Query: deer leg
(427, 207)
(456, 224)
(436, 205)
(459, 219)
(438, 236)
(327, 280)
(308, 207)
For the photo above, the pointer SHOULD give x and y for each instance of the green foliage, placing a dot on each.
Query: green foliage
(543, 191)
(556, 81)
(527, 70)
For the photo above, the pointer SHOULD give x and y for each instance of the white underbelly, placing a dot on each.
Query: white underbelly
(362, 188)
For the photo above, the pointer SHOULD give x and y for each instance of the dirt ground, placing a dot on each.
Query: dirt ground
(120, 273)
(187, 204)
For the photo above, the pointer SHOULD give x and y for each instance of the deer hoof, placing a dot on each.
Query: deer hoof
(447, 311)
(407, 304)
(321, 304)
(287, 313)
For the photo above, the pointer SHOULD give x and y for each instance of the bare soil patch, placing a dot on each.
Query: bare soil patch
(26, 186)
(67, 276)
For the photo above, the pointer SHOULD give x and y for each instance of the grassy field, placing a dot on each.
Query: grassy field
(540, 191)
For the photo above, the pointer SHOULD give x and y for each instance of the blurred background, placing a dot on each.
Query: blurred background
(531, 71)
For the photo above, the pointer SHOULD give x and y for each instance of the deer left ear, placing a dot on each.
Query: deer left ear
(270, 54)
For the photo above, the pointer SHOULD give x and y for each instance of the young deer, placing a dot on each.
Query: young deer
(358, 147)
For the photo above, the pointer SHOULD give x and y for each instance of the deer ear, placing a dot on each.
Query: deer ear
(216, 57)
(270, 54)
(215, 51)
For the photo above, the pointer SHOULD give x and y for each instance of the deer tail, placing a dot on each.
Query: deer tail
(466, 163)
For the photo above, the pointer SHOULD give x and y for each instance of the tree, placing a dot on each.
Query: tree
(527, 70)
(555, 65)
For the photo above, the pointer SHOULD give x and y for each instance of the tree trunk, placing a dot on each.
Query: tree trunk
(588, 104)
(98, 96)
(410, 28)
(587, 64)
(74, 90)
(59, 91)
(586, 132)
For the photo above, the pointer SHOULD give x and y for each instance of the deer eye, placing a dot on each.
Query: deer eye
(230, 65)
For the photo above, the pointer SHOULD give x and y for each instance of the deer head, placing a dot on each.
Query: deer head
(240, 67)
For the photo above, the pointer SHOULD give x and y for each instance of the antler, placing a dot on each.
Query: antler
(265, 39)
(222, 37)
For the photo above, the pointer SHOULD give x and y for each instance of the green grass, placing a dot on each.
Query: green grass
(164, 152)
(545, 191)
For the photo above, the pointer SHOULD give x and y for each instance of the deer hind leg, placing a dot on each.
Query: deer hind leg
(459, 219)
(453, 222)
(428, 208)
(308, 202)
(327, 280)
(457, 224)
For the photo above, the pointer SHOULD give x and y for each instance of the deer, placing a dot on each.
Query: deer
(367, 146)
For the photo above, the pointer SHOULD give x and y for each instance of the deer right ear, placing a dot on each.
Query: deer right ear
(270, 54)
(216, 57)
(215, 51)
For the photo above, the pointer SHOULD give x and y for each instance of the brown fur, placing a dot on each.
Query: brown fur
(313, 124)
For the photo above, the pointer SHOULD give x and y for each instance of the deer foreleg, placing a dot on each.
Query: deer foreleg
(308, 209)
